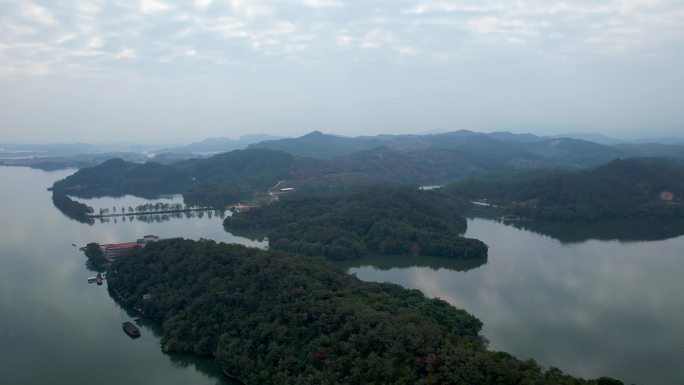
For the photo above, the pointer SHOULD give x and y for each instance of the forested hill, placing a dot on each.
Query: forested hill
(391, 221)
(226, 178)
(629, 188)
(521, 150)
(275, 318)
(215, 181)
(319, 145)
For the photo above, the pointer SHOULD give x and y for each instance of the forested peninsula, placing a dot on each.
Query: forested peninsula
(217, 181)
(278, 318)
(73, 209)
(637, 188)
(379, 220)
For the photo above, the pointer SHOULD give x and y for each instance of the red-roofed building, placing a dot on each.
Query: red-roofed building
(113, 250)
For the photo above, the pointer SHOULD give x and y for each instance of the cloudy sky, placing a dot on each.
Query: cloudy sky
(157, 70)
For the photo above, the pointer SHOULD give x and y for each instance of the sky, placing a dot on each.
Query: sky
(170, 72)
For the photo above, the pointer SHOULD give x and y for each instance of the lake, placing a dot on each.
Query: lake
(55, 327)
(590, 307)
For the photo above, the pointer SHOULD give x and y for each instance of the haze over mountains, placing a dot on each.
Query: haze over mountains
(318, 161)
(587, 148)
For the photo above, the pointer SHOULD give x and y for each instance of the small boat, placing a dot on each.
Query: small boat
(73, 244)
(130, 329)
(99, 279)
(92, 279)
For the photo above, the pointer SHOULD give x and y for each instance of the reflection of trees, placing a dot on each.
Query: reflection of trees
(93, 267)
(628, 230)
(253, 235)
(73, 209)
(206, 366)
(165, 217)
(386, 262)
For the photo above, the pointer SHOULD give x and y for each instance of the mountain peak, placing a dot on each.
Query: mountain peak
(314, 133)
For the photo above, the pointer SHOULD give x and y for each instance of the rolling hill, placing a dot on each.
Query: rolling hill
(628, 188)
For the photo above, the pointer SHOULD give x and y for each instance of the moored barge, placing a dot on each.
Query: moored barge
(130, 329)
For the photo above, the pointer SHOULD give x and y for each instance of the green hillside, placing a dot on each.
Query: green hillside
(630, 188)
(215, 181)
(376, 221)
(276, 318)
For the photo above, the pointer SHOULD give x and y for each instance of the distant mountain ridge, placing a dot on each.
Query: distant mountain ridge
(319, 161)
(521, 150)
(221, 144)
(320, 145)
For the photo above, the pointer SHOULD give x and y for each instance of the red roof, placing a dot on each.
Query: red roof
(120, 245)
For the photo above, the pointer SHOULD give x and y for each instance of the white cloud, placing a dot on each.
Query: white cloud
(408, 51)
(250, 8)
(376, 39)
(95, 42)
(91, 33)
(126, 53)
(343, 40)
(153, 6)
(18, 29)
(37, 13)
(497, 25)
(202, 4)
(65, 38)
(323, 3)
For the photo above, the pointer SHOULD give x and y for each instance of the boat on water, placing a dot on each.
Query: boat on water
(98, 279)
(131, 329)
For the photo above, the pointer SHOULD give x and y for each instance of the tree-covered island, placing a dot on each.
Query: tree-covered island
(277, 318)
(380, 220)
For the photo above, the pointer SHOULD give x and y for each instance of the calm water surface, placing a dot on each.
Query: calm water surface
(55, 328)
(591, 308)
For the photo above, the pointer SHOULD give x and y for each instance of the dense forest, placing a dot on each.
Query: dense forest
(71, 208)
(118, 177)
(370, 221)
(629, 188)
(277, 318)
(96, 258)
(317, 161)
(216, 181)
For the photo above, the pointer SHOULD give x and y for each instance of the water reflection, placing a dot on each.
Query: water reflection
(619, 230)
(165, 217)
(623, 230)
(152, 332)
(387, 262)
(593, 308)
(54, 326)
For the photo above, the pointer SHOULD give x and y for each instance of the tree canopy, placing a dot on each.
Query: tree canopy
(629, 188)
(278, 318)
(371, 221)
